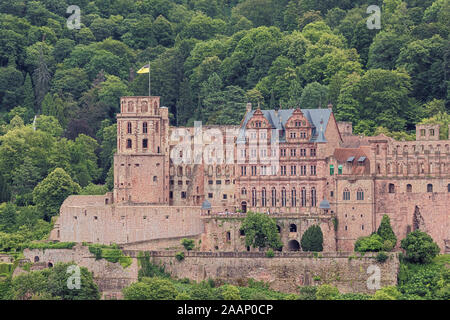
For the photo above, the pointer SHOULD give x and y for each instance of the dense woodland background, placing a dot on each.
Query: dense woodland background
(208, 59)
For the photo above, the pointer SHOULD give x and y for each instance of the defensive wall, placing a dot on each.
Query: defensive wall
(285, 272)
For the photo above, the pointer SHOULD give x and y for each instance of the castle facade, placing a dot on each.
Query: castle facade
(300, 166)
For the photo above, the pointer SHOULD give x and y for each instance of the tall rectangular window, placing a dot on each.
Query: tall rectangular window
(331, 169)
(293, 170)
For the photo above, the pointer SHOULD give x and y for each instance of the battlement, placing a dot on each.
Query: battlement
(140, 105)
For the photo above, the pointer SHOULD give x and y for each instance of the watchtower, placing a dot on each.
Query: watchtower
(141, 164)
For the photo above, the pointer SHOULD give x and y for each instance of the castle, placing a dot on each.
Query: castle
(300, 166)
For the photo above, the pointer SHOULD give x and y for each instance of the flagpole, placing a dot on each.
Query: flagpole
(149, 82)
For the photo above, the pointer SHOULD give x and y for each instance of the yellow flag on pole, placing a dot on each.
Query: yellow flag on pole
(144, 69)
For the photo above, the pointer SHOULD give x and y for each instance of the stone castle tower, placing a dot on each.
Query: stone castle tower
(141, 164)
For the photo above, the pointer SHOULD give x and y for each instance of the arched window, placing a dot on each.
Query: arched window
(294, 197)
(360, 194)
(145, 143)
(293, 228)
(429, 187)
(144, 107)
(391, 188)
(180, 171)
(313, 197)
(243, 191)
(144, 127)
(129, 127)
(283, 197)
(303, 197)
(130, 106)
(408, 188)
(263, 197)
(254, 197)
(274, 197)
(129, 144)
(346, 194)
(155, 178)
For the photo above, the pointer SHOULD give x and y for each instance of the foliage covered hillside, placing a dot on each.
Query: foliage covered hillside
(208, 58)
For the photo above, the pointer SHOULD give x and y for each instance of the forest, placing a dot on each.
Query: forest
(60, 87)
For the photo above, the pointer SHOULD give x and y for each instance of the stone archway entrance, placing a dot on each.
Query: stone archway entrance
(244, 206)
(293, 245)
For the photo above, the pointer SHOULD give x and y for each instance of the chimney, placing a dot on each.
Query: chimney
(249, 107)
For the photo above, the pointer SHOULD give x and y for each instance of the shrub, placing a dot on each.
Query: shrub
(312, 239)
(353, 296)
(110, 253)
(149, 269)
(270, 253)
(419, 247)
(308, 293)
(372, 243)
(381, 257)
(188, 244)
(50, 245)
(183, 296)
(327, 292)
(179, 256)
(151, 289)
(203, 291)
(387, 293)
(230, 292)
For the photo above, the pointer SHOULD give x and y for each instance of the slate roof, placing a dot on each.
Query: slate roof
(206, 205)
(318, 118)
(342, 155)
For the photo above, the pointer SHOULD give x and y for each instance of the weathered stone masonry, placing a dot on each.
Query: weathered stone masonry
(322, 172)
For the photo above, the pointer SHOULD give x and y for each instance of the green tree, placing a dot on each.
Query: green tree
(387, 293)
(386, 233)
(312, 239)
(313, 96)
(28, 94)
(327, 292)
(261, 231)
(151, 289)
(230, 292)
(419, 247)
(50, 193)
(8, 217)
(52, 284)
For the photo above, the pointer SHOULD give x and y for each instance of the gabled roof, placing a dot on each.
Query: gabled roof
(318, 118)
(343, 155)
